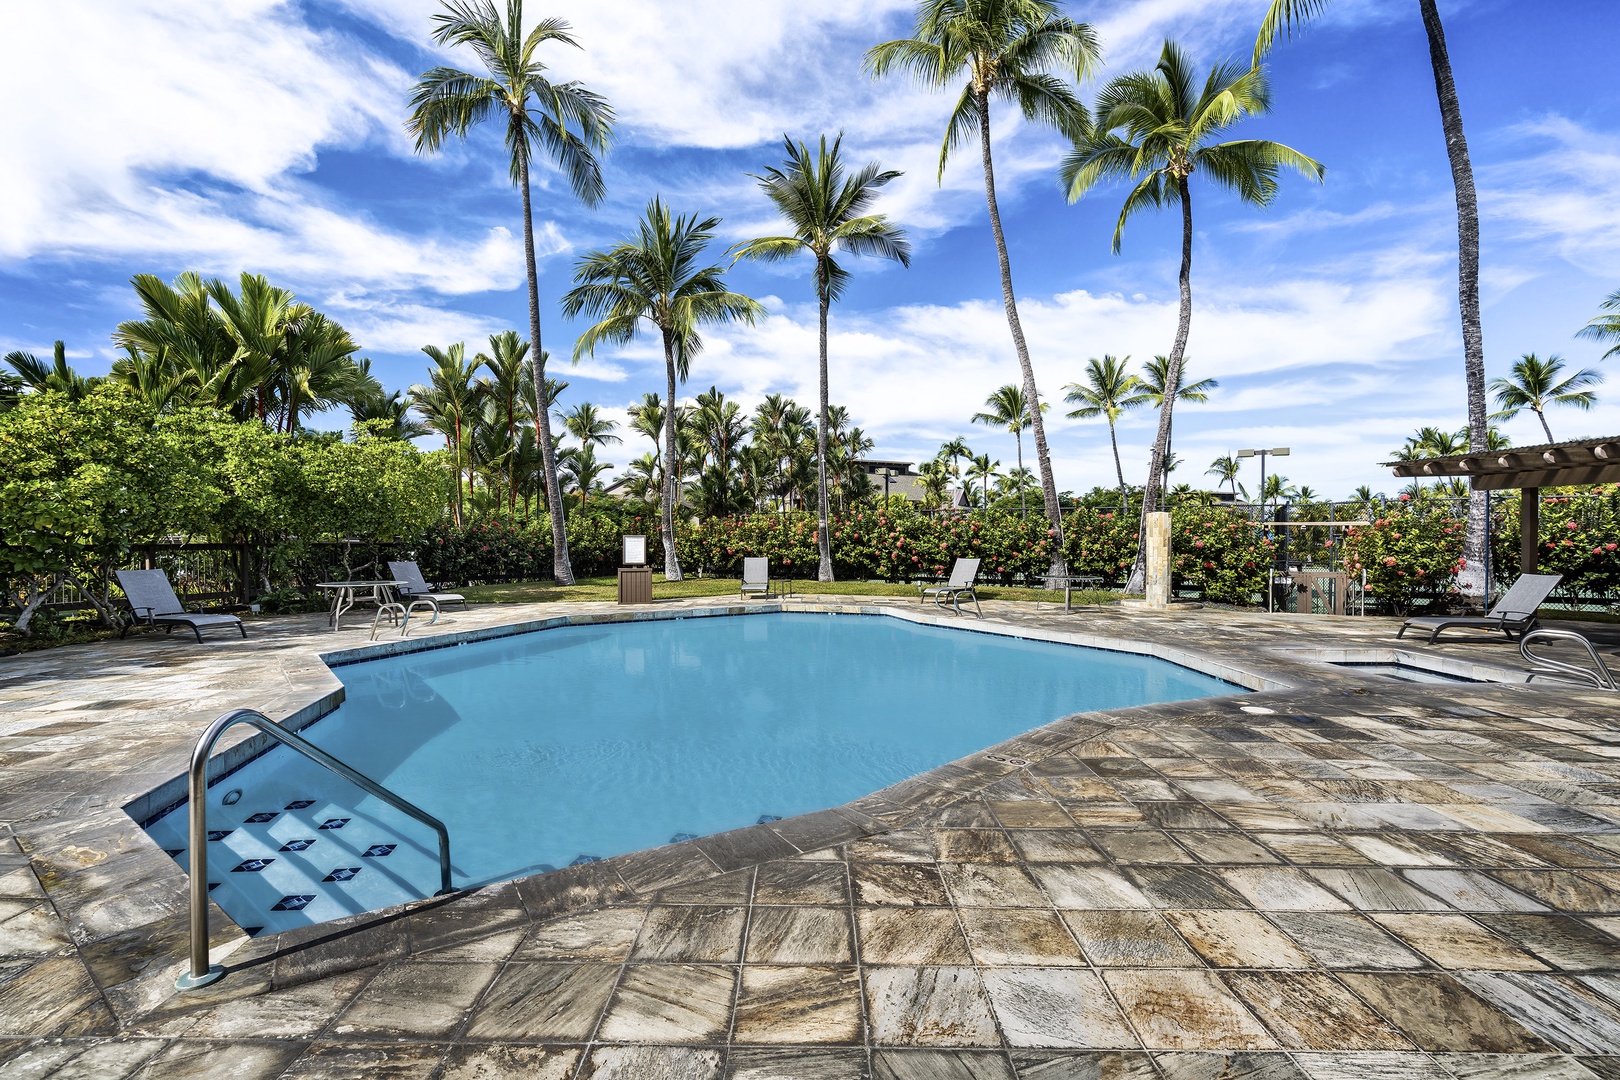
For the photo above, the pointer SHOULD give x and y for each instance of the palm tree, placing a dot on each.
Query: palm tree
(1156, 375)
(391, 411)
(1283, 16)
(1534, 385)
(33, 373)
(1226, 467)
(257, 318)
(568, 122)
(1006, 49)
(586, 423)
(507, 386)
(1157, 128)
(1109, 390)
(1009, 409)
(955, 449)
(827, 209)
(983, 470)
(449, 402)
(1605, 327)
(657, 277)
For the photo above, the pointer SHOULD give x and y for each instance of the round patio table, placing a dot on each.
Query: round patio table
(343, 596)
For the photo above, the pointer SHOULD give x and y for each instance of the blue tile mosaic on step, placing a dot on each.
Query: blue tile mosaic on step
(297, 845)
(251, 866)
(299, 804)
(260, 818)
(343, 873)
(219, 834)
(682, 837)
(293, 903)
(766, 819)
(377, 851)
(583, 859)
(334, 823)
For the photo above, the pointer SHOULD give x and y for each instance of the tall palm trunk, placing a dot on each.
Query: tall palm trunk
(1023, 506)
(561, 568)
(1119, 470)
(1048, 489)
(1476, 538)
(1172, 385)
(672, 560)
(825, 539)
(1539, 416)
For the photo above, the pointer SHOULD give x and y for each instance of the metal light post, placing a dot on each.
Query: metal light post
(1278, 451)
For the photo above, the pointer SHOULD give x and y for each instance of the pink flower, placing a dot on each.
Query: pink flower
(1389, 560)
(1406, 498)
(1570, 525)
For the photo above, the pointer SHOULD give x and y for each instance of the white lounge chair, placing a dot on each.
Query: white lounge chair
(756, 578)
(963, 574)
(1515, 612)
(152, 602)
(411, 586)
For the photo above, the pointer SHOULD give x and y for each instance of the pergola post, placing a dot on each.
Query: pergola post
(1529, 529)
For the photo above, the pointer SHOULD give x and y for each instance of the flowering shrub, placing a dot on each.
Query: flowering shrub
(1101, 542)
(1579, 538)
(1415, 551)
(1220, 552)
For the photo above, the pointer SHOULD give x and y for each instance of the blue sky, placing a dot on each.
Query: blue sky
(268, 137)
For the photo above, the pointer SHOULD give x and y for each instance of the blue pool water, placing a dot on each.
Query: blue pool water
(541, 749)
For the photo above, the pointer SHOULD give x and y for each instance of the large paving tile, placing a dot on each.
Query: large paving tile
(1056, 1007)
(544, 1001)
(1239, 939)
(790, 882)
(416, 999)
(606, 934)
(940, 1065)
(1312, 1011)
(1439, 1013)
(691, 934)
(1470, 890)
(898, 884)
(1128, 939)
(1088, 887)
(911, 936)
(1342, 940)
(1179, 1009)
(670, 1003)
(1562, 941)
(1558, 1009)
(1231, 1065)
(797, 1005)
(362, 1061)
(1378, 890)
(1018, 936)
(645, 1062)
(1281, 889)
(1370, 1065)
(1083, 1065)
(1457, 942)
(506, 1062)
(928, 1006)
(991, 885)
(799, 935)
(756, 1063)
(1514, 1067)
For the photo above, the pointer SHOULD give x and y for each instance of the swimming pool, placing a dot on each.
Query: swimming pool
(576, 743)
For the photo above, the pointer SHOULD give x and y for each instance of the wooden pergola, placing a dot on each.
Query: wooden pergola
(1527, 469)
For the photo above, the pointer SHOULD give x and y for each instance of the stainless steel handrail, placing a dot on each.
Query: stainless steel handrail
(1599, 675)
(201, 972)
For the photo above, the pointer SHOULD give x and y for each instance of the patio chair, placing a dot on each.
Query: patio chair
(963, 574)
(409, 584)
(152, 602)
(1514, 613)
(756, 578)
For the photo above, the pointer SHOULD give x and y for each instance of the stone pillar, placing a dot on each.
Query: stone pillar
(1158, 560)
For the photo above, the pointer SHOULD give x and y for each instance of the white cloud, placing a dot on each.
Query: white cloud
(1562, 194)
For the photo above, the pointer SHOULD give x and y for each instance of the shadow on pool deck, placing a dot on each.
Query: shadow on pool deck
(1373, 878)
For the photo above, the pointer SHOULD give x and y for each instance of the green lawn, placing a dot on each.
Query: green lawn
(606, 588)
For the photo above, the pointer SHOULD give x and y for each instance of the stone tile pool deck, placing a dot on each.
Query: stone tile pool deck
(1369, 879)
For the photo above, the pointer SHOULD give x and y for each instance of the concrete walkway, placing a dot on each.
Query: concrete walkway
(1342, 876)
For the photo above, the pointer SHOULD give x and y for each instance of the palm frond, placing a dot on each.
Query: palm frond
(1283, 17)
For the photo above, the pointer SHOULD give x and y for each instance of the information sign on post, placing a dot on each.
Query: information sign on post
(635, 551)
